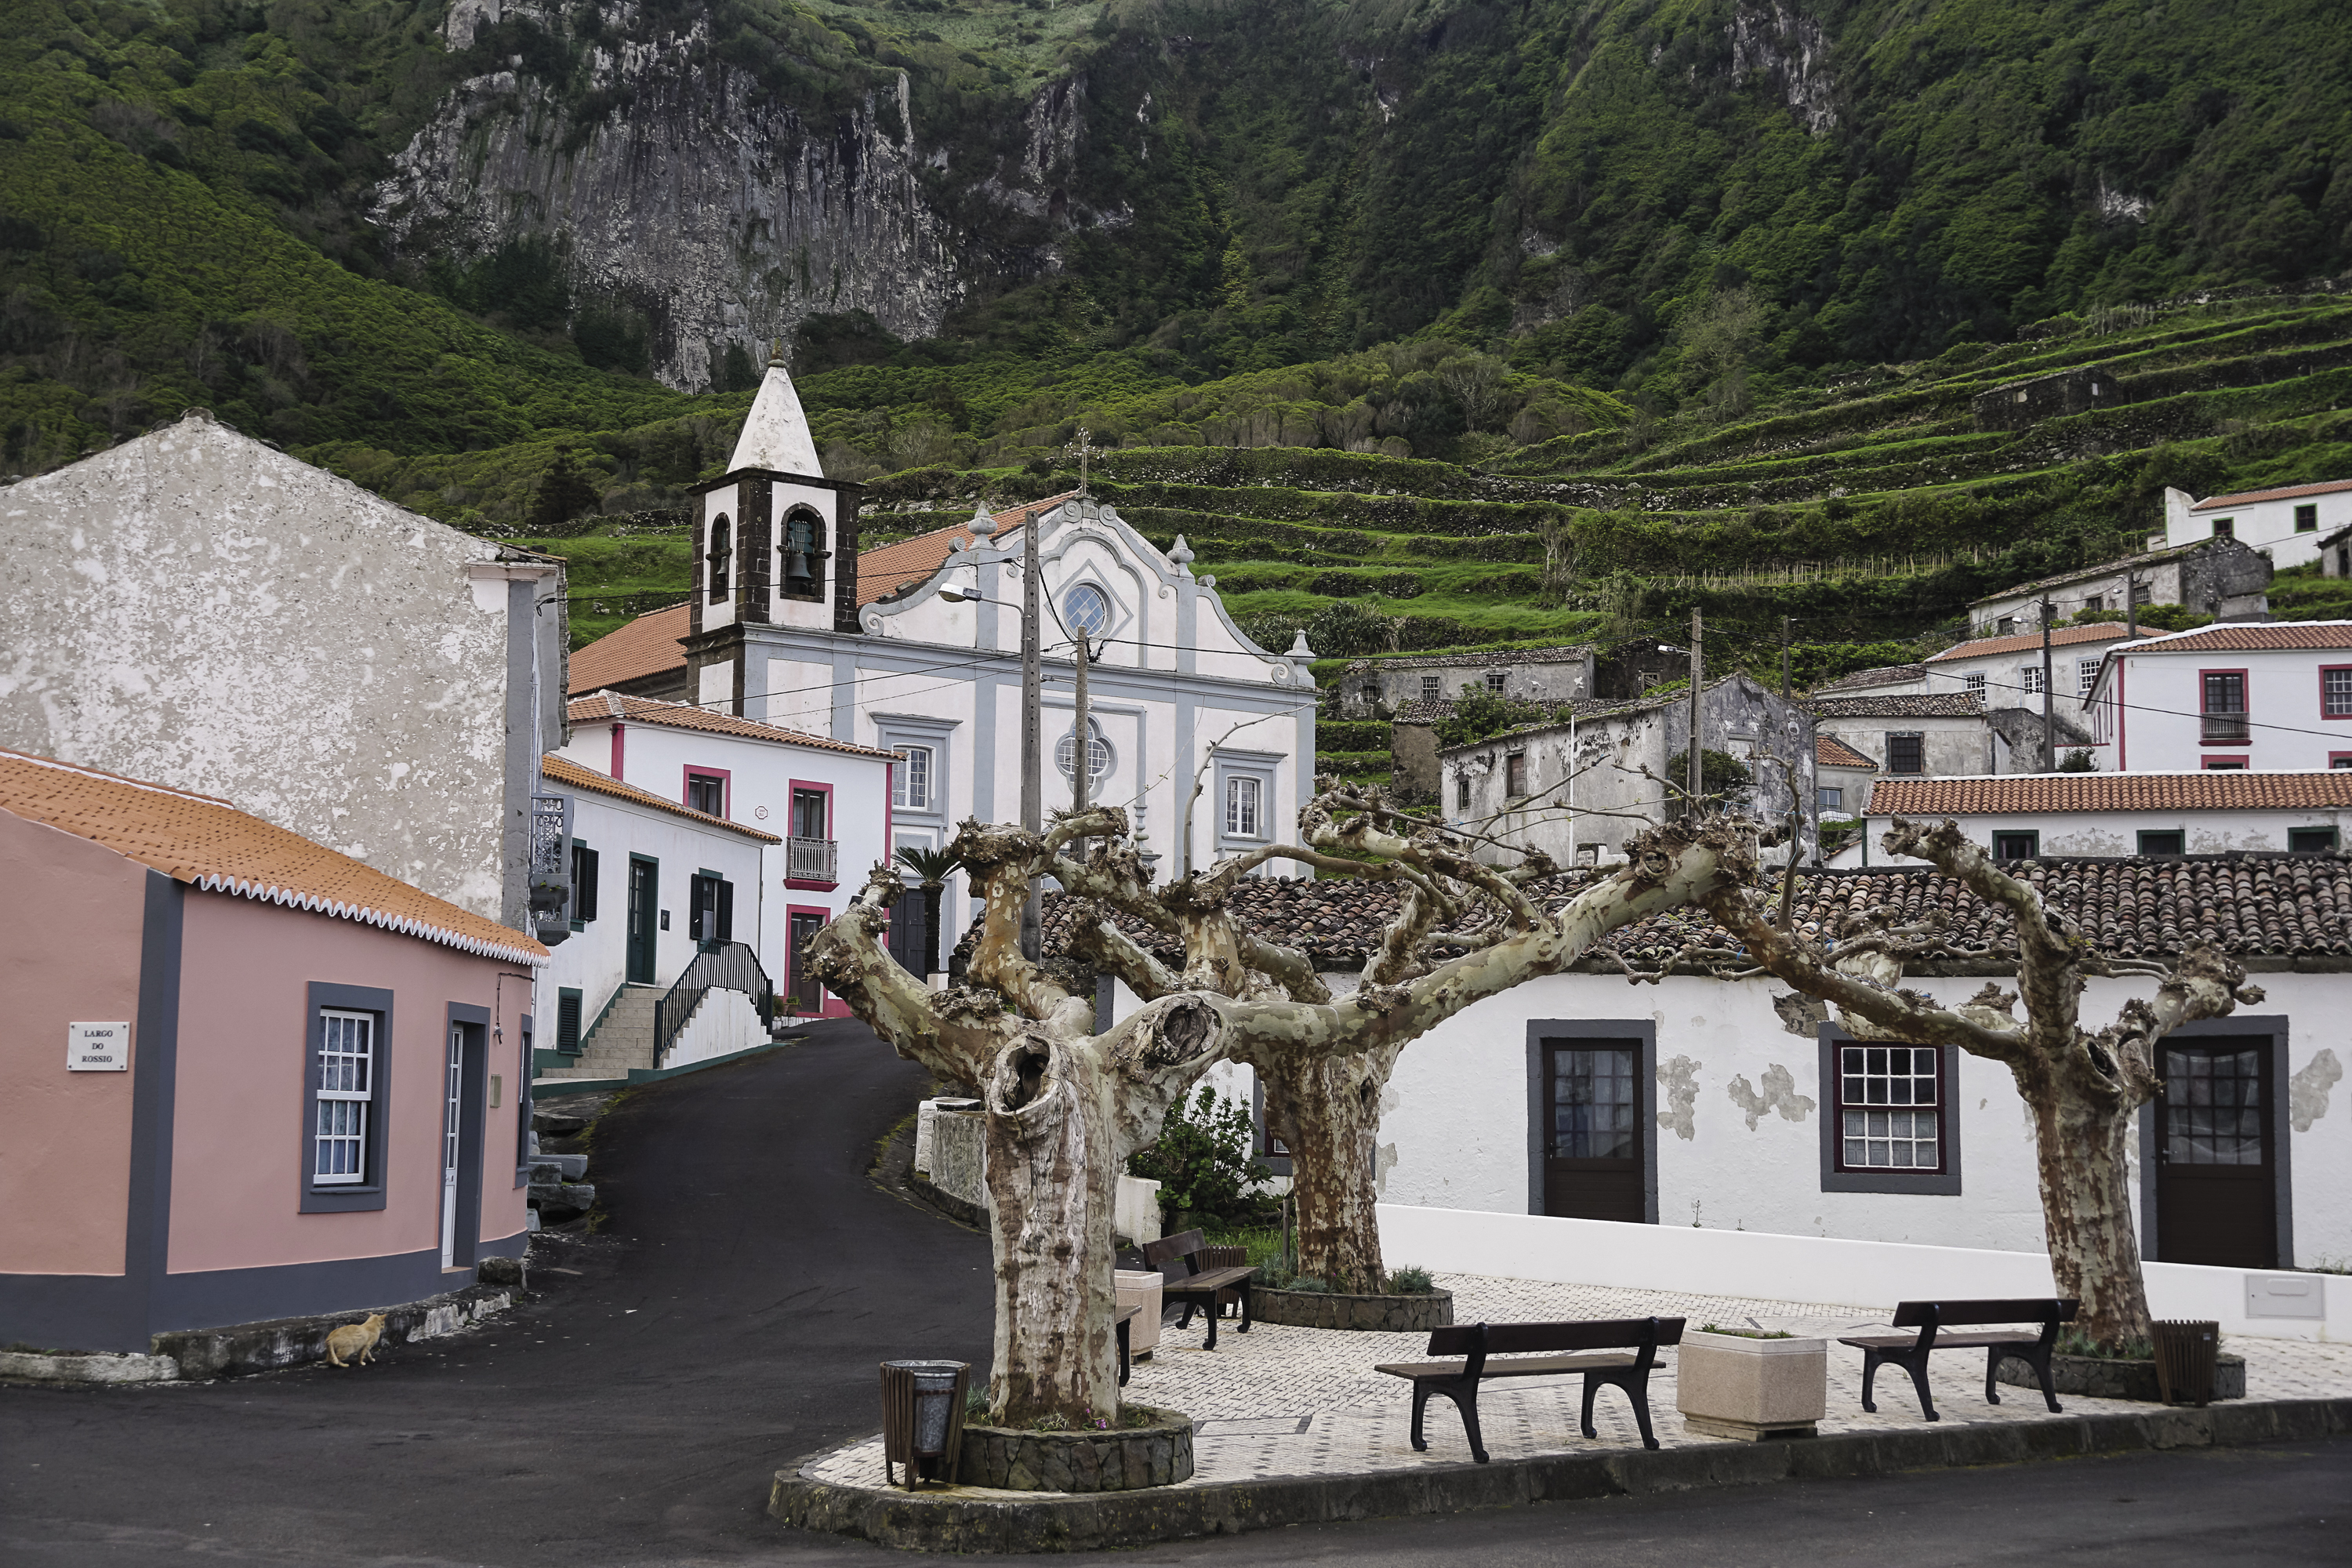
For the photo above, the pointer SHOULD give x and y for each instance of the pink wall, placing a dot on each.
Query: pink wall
(237, 1142)
(69, 938)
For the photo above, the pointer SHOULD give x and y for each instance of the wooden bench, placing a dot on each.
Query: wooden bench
(1459, 1380)
(1197, 1285)
(1911, 1351)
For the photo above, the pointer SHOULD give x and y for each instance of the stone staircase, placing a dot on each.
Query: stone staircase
(623, 1039)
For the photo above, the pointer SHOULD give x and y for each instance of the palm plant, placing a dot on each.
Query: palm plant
(934, 867)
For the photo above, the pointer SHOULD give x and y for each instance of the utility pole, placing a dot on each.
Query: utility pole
(1081, 784)
(1697, 772)
(1032, 718)
(1784, 659)
(2049, 727)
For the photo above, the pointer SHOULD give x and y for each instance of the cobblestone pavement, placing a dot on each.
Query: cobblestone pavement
(1281, 1401)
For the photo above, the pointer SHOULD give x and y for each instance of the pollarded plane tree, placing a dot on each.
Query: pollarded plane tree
(1065, 1106)
(2083, 1086)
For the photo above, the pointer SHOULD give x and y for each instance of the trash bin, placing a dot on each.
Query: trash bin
(922, 1418)
(2185, 1353)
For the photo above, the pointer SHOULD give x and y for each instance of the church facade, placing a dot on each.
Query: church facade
(1206, 739)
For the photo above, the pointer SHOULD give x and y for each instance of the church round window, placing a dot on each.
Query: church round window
(1065, 755)
(1086, 609)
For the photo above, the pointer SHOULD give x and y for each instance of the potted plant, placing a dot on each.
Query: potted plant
(1752, 1384)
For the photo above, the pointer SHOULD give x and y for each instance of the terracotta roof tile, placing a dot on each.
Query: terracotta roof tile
(887, 568)
(606, 705)
(2108, 568)
(2287, 905)
(564, 771)
(2013, 794)
(650, 645)
(2060, 637)
(1829, 751)
(1917, 705)
(2284, 492)
(2249, 637)
(210, 844)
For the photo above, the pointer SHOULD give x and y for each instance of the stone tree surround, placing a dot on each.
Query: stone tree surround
(1125, 1459)
(1366, 1314)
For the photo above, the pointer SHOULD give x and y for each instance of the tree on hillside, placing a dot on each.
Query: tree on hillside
(1066, 1107)
(2083, 1087)
(564, 493)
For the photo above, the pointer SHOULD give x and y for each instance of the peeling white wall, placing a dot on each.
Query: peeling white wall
(198, 609)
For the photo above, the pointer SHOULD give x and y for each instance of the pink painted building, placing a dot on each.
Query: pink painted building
(244, 1077)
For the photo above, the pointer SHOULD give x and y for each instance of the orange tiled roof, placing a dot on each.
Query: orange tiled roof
(2284, 492)
(2020, 794)
(887, 568)
(2060, 637)
(210, 844)
(2249, 637)
(606, 705)
(646, 646)
(563, 770)
(1829, 751)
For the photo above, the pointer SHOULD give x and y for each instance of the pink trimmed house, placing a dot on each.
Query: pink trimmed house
(244, 1077)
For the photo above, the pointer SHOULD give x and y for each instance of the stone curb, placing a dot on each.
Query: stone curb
(950, 1521)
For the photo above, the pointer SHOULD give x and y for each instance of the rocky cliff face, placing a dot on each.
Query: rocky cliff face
(722, 216)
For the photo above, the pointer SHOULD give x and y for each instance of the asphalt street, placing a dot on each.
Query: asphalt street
(729, 1320)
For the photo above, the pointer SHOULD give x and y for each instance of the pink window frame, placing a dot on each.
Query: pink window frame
(725, 777)
(2237, 762)
(2333, 758)
(2324, 713)
(829, 1005)
(2245, 676)
(793, 789)
(619, 750)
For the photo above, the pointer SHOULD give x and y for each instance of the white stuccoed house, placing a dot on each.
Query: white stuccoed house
(2285, 524)
(1206, 739)
(2025, 816)
(2275, 697)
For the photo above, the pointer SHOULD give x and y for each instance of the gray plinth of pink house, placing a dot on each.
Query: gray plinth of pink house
(245, 1076)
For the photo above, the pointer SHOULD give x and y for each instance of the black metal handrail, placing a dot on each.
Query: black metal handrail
(719, 966)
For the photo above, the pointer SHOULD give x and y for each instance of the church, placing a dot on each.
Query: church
(1206, 739)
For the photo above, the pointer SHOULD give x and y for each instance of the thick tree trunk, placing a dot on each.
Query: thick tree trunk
(1327, 1111)
(2081, 1134)
(1053, 1175)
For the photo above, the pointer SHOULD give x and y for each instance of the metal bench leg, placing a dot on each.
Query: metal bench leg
(1869, 1377)
(1125, 1361)
(1466, 1401)
(1592, 1386)
(1992, 1369)
(2039, 1360)
(1211, 1315)
(1186, 1320)
(1246, 1305)
(1419, 1405)
(1917, 1368)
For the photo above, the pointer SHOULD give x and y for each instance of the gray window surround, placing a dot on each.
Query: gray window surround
(1646, 1116)
(1946, 1184)
(2282, 1131)
(473, 1085)
(2033, 834)
(892, 731)
(1263, 766)
(369, 1195)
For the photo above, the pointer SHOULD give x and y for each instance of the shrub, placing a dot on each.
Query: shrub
(1204, 1162)
(1410, 1280)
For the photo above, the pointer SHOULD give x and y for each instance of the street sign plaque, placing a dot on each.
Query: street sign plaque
(98, 1047)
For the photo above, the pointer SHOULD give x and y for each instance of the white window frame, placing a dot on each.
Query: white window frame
(1100, 759)
(2086, 677)
(342, 1122)
(2029, 679)
(913, 791)
(1432, 688)
(1245, 806)
(1868, 1120)
(1974, 680)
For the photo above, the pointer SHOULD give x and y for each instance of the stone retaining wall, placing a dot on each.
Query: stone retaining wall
(1125, 1459)
(1369, 1314)
(2099, 1377)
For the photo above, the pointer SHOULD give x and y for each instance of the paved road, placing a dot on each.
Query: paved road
(635, 1415)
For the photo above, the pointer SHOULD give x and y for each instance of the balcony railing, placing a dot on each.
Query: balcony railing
(813, 859)
(2227, 730)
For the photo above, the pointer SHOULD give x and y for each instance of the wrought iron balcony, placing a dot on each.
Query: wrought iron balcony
(813, 859)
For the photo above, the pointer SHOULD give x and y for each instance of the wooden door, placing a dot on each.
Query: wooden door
(645, 903)
(2216, 1165)
(1594, 1131)
(910, 931)
(806, 987)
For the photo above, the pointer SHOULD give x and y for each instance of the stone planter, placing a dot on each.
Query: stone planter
(1368, 1314)
(1127, 1459)
(1727, 1385)
(2097, 1377)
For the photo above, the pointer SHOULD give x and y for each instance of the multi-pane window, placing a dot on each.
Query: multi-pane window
(1065, 755)
(2225, 528)
(2005, 626)
(711, 908)
(1975, 681)
(706, 793)
(346, 1093)
(585, 871)
(1593, 1105)
(2162, 840)
(2026, 846)
(1431, 688)
(808, 813)
(2306, 519)
(1085, 610)
(2213, 1107)
(1515, 774)
(1890, 1111)
(1242, 807)
(2336, 691)
(2094, 601)
(1831, 799)
(1495, 681)
(2086, 676)
(2224, 710)
(914, 787)
(2029, 678)
(1461, 792)
(1907, 752)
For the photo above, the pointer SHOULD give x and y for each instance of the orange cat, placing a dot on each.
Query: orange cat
(357, 1340)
